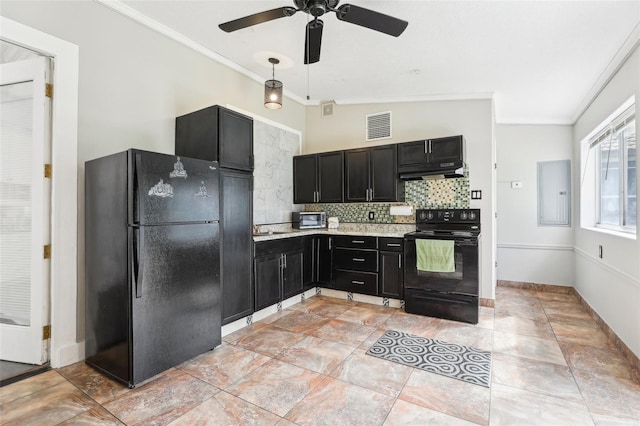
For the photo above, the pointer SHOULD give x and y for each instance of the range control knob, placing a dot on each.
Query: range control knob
(472, 215)
(422, 216)
(430, 215)
(463, 215)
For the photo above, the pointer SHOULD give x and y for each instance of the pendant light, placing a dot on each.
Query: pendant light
(273, 89)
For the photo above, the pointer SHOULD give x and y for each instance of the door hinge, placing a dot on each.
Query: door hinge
(47, 251)
(48, 90)
(46, 332)
(47, 170)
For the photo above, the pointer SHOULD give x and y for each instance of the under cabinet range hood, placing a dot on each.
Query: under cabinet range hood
(432, 158)
(444, 172)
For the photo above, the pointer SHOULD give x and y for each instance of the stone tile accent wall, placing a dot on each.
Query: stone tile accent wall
(273, 150)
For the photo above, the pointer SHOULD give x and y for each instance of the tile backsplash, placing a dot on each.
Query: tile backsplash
(422, 194)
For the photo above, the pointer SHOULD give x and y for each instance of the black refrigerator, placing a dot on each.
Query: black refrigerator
(152, 268)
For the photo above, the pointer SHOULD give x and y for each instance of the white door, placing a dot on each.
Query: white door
(25, 196)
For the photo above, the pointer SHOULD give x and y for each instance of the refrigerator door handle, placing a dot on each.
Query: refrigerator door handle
(138, 241)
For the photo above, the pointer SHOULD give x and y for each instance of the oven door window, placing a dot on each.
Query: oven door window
(455, 275)
(463, 280)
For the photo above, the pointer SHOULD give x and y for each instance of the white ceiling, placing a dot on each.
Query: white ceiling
(542, 60)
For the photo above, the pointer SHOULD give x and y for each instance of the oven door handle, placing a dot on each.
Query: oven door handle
(456, 242)
(441, 299)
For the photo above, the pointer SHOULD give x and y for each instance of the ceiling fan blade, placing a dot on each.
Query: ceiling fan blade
(312, 41)
(257, 18)
(370, 19)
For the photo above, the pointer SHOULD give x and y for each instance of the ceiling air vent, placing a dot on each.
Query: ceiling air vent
(379, 126)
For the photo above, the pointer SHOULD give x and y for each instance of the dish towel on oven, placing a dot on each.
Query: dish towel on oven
(435, 255)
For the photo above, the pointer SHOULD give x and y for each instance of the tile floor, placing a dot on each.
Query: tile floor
(306, 365)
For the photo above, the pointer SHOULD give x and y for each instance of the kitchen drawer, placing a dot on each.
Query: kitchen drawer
(282, 245)
(357, 260)
(357, 282)
(351, 241)
(390, 244)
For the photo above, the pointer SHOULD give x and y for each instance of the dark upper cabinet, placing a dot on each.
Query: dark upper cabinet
(217, 134)
(442, 151)
(305, 179)
(371, 175)
(317, 178)
(357, 170)
(236, 206)
(431, 154)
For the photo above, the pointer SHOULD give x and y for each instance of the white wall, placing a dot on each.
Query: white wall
(528, 252)
(133, 82)
(611, 285)
(345, 129)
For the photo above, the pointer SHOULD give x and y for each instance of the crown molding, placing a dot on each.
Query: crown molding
(131, 13)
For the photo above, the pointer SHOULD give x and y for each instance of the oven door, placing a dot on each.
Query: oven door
(464, 280)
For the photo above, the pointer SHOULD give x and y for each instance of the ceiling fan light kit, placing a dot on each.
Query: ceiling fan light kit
(273, 89)
(313, 35)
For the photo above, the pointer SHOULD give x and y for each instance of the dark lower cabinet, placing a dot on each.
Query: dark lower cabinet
(278, 270)
(236, 207)
(355, 264)
(292, 274)
(309, 263)
(324, 260)
(268, 280)
(391, 273)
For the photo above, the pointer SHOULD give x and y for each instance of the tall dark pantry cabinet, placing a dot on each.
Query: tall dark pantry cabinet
(219, 134)
(151, 262)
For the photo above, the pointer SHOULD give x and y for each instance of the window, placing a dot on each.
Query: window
(614, 146)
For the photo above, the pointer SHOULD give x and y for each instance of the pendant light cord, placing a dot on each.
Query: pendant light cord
(307, 58)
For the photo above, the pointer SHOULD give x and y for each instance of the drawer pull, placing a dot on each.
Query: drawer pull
(393, 245)
(357, 241)
(356, 259)
(357, 282)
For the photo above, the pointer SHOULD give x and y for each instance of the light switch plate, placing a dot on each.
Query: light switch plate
(476, 194)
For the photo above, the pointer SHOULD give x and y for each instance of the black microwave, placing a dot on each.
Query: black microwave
(308, 220)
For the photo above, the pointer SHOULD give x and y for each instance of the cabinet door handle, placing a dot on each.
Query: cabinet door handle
(330, 243)
(399, 262)
(426, 146)
(357, 259)
(430, 147)
(284, 261)
(393, 245)
(357, 241)
(357, 282)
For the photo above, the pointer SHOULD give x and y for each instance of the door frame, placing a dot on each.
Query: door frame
(65, 348)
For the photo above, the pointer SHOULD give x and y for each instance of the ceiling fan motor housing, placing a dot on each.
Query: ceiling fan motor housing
(316, 7)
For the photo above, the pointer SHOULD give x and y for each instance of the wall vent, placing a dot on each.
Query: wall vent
(327, 109)
(378, 126)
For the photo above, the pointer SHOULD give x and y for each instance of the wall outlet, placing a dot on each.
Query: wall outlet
(516, 184)
(372, 215)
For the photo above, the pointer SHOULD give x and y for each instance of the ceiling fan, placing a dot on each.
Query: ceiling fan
(313, 38)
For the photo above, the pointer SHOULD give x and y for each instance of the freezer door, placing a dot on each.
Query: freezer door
(175, 294)
(172, 189)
